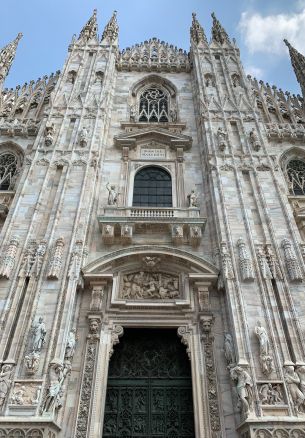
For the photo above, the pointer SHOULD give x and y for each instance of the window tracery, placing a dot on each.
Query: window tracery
(8, 170)
(153, 105)
(295, 173)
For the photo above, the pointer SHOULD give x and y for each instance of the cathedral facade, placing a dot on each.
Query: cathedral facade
(152, 211)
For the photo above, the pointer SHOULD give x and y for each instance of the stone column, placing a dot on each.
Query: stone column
(99, 349)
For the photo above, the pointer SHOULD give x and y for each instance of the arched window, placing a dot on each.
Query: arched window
(8, 170)
(296, 177)
(153, 105)
(152, 188)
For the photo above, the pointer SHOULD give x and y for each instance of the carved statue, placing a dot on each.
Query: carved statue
(221, 139)
(173, 113)
(56, 373)
(229, 349)
(49, 134)
(193, 199)
(263, 338)
(132, 113)
(293, 381)
(83, 136)
(112, 195)
(244, 386)
(254, 140)
(5, 382)
(178, 231)
(39, 334)
(264, 346)
(70, 346)
(301, 373)
(150, 285)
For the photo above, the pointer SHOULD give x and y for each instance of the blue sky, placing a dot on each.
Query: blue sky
(259, 27)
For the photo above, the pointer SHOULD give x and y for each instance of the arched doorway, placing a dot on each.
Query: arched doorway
(149, 393)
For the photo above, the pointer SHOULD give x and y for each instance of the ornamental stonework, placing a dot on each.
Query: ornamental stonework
(149, 285)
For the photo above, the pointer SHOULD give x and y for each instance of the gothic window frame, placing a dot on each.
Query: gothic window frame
(164, 170)
(153, 105)
(158, 83)
(8, 179)
(295, 176)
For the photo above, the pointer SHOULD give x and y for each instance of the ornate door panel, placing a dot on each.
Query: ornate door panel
(149, 392)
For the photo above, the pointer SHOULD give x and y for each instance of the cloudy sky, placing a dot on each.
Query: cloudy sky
(259, 27)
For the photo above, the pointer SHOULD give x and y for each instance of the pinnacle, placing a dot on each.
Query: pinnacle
(7, 55)
(298, 64)
(89, 31)
(111, 30)
(197, 32)
(218, 32)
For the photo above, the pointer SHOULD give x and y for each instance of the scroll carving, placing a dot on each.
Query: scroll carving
(293, 267)
(8, 261)
(208, 341)
(245, 263)
(116, 333)
(150, 285)
(56, 259)
(184, 332)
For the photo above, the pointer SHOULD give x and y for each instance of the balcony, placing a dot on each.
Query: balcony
(119, 225)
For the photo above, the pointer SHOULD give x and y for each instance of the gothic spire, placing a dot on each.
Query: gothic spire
(7, 55)
(197, 32)
(111, 30)
(89, 31)
(298, 64)
(218, 33)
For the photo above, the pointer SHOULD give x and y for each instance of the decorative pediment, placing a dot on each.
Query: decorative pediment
(156, 134)
(153, 55)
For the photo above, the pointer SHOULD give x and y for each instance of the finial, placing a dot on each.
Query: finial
(111, 30)
(89, 31)
(218, 33)
(197, 32)
(298, 64)
(7, 56)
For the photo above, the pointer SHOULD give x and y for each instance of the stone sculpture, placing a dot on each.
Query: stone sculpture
(148, 285)
(5, 383)
(193, 199)
(244, 389)
(70, 346)
(293, 381)
(229, 350)
(112, 195)
(264, 346)
(253, 137)
(221, 139)
(271, 394)
(39, 334)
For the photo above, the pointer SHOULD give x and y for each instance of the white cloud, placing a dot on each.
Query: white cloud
(253, 71)
(266, 34)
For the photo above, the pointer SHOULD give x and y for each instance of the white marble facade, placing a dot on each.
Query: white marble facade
(223, 265)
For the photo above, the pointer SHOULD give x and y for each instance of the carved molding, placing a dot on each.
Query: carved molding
(292, 265)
